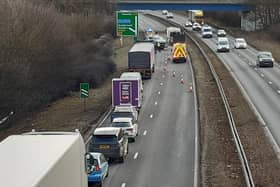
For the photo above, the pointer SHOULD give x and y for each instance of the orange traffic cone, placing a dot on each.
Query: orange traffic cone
(182, 81)
(191, 88)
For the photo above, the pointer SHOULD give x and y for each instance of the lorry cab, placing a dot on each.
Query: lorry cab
(179, 52)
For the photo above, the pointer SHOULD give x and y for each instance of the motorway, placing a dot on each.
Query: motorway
(261, 85)
(163, 154)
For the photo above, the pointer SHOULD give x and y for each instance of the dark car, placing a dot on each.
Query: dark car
(110, 141)
(265, 59)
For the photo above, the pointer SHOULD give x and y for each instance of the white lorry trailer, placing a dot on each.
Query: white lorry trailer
(44, 159)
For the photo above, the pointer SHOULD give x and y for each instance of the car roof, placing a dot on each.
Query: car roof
(222, 39)
(124, 108)
(264, 52)
(122, 120)
(107, 131)
(239, 39)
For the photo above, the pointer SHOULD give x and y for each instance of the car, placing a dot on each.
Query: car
(196, 27)
(223, 44)
(164, 12)
(265, 59)
(206, 32)
(128, 125)
(169, 15)
(100, 169)
(111, 141)
(240, 43)
(125, 111)
(159, 42)
(188, 24)
(221, 33)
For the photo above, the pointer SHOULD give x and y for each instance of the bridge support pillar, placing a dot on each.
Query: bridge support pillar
(249, 21)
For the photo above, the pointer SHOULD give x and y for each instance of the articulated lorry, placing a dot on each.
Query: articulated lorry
(44, 159)
(141, 58)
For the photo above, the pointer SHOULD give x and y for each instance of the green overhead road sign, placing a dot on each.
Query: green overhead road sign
(127, 23)
(84, 90)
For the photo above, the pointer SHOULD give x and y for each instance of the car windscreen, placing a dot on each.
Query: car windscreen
(104, 139)
(223, 43)
(120, 124)
(265, 55)
(207, 30)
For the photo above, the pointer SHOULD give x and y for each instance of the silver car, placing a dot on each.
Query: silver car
(265, 59)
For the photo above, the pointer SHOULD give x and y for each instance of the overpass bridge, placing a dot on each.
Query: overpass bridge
(206, 5)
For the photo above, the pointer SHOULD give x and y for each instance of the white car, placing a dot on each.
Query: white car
(223, 44)
(221, 33)
(265, 59)
(188, 24)
(196, 26)
(164, 12)
(206, 32)
(240, 43)
(169, 15)
(130, 128)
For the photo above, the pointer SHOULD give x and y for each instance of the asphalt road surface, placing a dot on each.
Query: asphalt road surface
(163, 154)
(260, 84)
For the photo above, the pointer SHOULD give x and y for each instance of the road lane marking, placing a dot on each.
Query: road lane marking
(262, 75)
(256, 69)
(158, 92)
(269, 82)
(123, 185)
(145, 133)
(161, 84)
(278, 91)
(135, 156)
(151, 116)
(156, 103)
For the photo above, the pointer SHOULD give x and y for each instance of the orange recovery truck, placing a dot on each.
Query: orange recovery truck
(179, 53)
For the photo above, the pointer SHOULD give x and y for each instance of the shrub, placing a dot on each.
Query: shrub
(45, 54)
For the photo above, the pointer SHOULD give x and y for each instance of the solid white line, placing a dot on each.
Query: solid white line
(123, 185)
(151, 116)
(145, 133)
(135, 156)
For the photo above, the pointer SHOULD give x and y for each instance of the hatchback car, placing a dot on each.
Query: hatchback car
(110, 141)
(196, 27)
(221, 33)
(223, 44)
(265, 59)
(169, 15)
(188, 24)
(101, 169)
(240, 43)
(130, 128)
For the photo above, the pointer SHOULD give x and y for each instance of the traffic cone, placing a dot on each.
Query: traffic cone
(173, 74)
(191, 88)
(182, 81)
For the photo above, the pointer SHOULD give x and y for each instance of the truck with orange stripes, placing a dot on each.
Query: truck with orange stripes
(179, 53)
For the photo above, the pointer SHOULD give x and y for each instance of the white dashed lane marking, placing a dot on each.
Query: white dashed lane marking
(123, 185)
(145, 133)
(135, 156)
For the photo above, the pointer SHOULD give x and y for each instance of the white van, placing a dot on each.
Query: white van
(223, 45)
(206, 32)
(132, 75)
